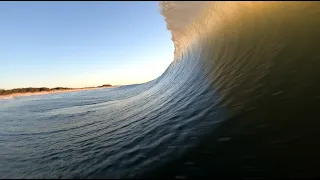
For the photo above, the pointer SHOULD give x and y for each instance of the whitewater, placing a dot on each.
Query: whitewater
(240, 99)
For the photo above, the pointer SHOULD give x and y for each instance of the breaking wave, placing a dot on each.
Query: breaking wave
(240, 99)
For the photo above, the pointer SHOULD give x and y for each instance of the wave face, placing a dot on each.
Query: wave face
(240, 99)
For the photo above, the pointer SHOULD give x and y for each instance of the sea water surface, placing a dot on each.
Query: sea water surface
(240, 99)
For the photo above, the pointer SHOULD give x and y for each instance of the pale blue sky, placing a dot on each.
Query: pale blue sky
(78, 44)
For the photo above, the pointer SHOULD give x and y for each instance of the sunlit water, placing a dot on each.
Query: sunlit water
(240, 99)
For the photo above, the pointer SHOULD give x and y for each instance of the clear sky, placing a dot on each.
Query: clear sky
(79, 44)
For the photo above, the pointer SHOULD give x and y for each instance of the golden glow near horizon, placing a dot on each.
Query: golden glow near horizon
(135, 73)
(132, 74)
(138, 73)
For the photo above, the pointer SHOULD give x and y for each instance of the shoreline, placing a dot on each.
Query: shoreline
(14, 95)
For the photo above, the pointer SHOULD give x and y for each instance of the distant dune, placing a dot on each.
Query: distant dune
(7, 94)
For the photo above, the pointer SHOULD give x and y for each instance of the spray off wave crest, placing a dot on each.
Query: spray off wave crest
(191, 21)
(179, 16)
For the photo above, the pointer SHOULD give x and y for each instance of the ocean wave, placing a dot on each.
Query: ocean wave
(240, 99)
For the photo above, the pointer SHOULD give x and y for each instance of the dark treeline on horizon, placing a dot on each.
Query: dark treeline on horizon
(42, 89)
(30, 89)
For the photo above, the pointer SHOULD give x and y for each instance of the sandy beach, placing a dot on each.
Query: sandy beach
(48, 92)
